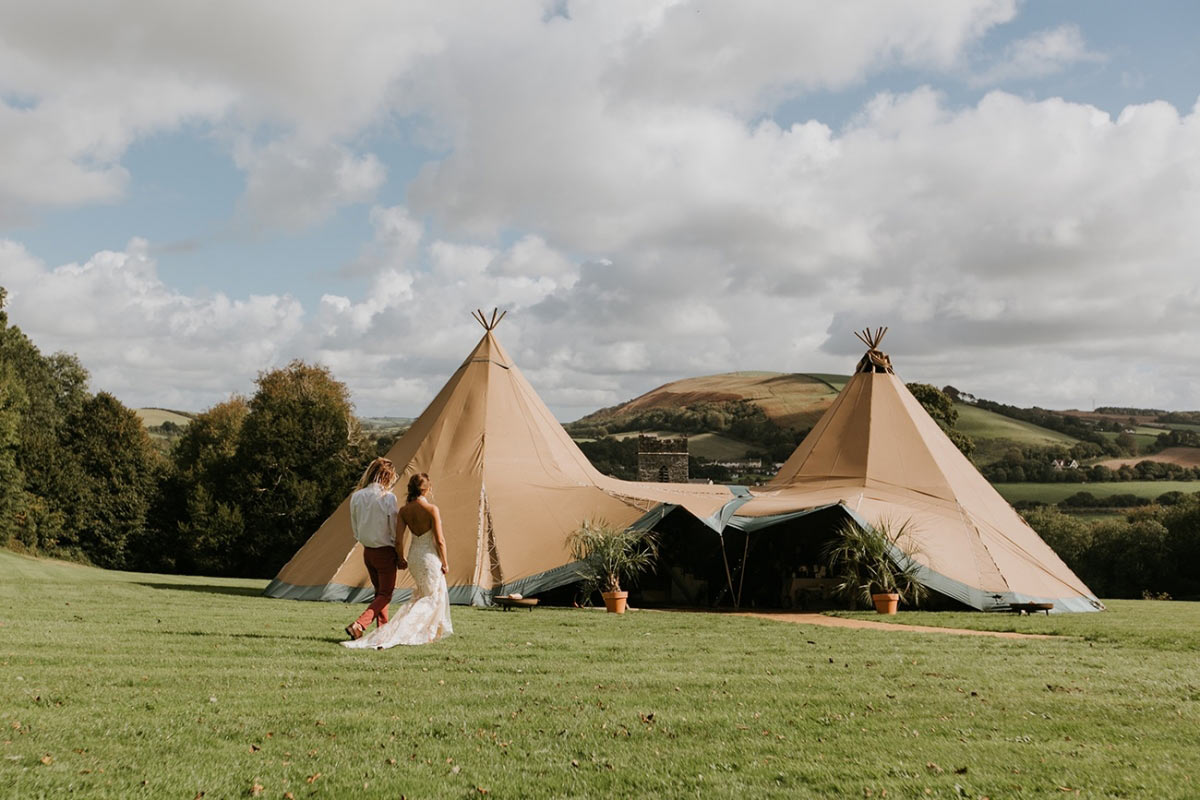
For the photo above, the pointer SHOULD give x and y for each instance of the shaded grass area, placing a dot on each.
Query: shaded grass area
(1051, 493)
(153, 686)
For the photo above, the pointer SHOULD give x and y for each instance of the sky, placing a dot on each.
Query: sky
(654, 189)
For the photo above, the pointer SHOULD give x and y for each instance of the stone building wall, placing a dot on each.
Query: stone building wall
(663, 460)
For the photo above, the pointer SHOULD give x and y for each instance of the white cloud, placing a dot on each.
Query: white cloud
(140, 339)
(292, 185)
(1038, 55)
(613, 175)
(749, 55)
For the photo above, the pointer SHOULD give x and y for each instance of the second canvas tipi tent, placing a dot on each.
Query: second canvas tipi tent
(511, 485)
(878, 455)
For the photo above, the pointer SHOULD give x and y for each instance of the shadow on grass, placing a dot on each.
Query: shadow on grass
(207, 588)
(265, 636)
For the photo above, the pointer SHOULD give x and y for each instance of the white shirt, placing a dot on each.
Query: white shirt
(373, 516)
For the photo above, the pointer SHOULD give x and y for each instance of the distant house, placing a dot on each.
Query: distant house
(1061, 464)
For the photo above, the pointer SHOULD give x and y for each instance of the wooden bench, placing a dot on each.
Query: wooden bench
(1030, 608)
(507, 603)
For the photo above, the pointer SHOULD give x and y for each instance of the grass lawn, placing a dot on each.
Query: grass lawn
(128, 685)
(1054, 492)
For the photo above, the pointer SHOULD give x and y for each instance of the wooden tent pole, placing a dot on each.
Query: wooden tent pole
(728, 574)
(742, 576)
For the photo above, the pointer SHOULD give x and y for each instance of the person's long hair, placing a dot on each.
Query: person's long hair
(417, 485)
(381, 471)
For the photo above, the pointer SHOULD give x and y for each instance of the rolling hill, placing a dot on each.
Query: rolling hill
(790, 400)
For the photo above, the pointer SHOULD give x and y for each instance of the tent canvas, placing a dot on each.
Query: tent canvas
(878, 455)
(511, 485)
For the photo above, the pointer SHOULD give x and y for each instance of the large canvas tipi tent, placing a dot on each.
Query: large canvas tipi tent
(511, 486)
(878, 455)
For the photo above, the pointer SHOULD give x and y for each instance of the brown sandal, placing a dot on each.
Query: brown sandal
(354, 631)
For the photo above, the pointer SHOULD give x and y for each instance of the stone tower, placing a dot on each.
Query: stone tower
(662, 460)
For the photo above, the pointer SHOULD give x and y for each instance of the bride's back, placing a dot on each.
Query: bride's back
(417, 516)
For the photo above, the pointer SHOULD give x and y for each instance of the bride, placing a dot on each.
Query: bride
(426, 618)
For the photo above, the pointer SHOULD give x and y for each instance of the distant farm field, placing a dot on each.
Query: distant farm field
(1183, 456)
(118, 685)
(979, 423)
(1055, 492)
(153, 417)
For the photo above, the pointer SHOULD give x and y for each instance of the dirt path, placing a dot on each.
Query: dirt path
(841, 622)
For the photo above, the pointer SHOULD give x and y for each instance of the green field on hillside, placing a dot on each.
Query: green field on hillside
(118, 685)
(979, 423)
(153, 417)
(1056, 492)
(1145, 437)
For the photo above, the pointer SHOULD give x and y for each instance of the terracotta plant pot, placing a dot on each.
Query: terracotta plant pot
(886, 603)
(615, 601)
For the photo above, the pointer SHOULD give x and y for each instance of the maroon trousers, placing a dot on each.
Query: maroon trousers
(382, 563)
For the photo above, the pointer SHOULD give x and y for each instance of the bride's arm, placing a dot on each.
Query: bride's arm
(439, 538)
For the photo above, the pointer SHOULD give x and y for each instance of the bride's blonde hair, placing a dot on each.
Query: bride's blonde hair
(381, 471)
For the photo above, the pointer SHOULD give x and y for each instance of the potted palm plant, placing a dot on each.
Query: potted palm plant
(606, 554)
(875, 565)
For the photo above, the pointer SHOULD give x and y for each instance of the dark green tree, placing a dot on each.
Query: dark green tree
(299, 453)
(51, 388)
(939, 406)
(198, 491)
(112, 487)
(12, 406)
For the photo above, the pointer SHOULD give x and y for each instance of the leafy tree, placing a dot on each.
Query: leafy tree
(197, 492)
(935, 402)
(46, 390)
(939, 406)
(299, 452)
(1127, 443)
(1182, 521)
(12, 480)
(114, 481)
(1068, 536)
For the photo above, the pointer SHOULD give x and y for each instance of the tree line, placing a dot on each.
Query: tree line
(1151, 552)
(1036, 464)
(241, 489)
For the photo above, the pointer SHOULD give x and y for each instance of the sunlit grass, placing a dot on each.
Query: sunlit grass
(126, 685)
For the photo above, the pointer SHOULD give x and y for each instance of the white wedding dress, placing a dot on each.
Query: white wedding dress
(424, 619)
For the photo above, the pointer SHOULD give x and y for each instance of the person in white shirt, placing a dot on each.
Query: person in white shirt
(373, 510)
